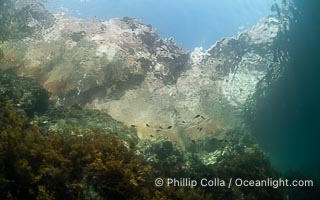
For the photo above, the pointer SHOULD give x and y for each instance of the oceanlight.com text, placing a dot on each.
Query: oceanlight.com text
(238, 182)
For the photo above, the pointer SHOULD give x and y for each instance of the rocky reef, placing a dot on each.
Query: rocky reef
(99, 109)
(72, 153)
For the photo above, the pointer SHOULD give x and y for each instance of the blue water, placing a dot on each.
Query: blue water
(192, 23)
(288, 122)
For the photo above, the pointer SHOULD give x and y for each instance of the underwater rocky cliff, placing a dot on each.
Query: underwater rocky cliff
(122, 66)
(95, 109)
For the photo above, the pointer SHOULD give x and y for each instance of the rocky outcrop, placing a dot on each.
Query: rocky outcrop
(123, 67)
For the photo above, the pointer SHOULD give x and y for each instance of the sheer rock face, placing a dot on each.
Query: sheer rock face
(123, 67)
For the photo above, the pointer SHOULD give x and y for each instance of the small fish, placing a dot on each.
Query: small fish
(202, 117)
(161, 127)
(133, 126)
(169, 127)
(147, 125)
(151, 135)
(197, 116)
(158, 130)
(200, 129)
(183, 121)
(193, 141)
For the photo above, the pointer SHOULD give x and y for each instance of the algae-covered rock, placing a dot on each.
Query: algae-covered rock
(95, 165)
(231, 154)
(164, 154)
(27, 95)
(24, 92)
(67, 120)
(212, 150)
(22, 19)
(208, 151)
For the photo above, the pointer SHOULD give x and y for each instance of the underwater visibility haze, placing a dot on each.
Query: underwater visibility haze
(159, 99)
